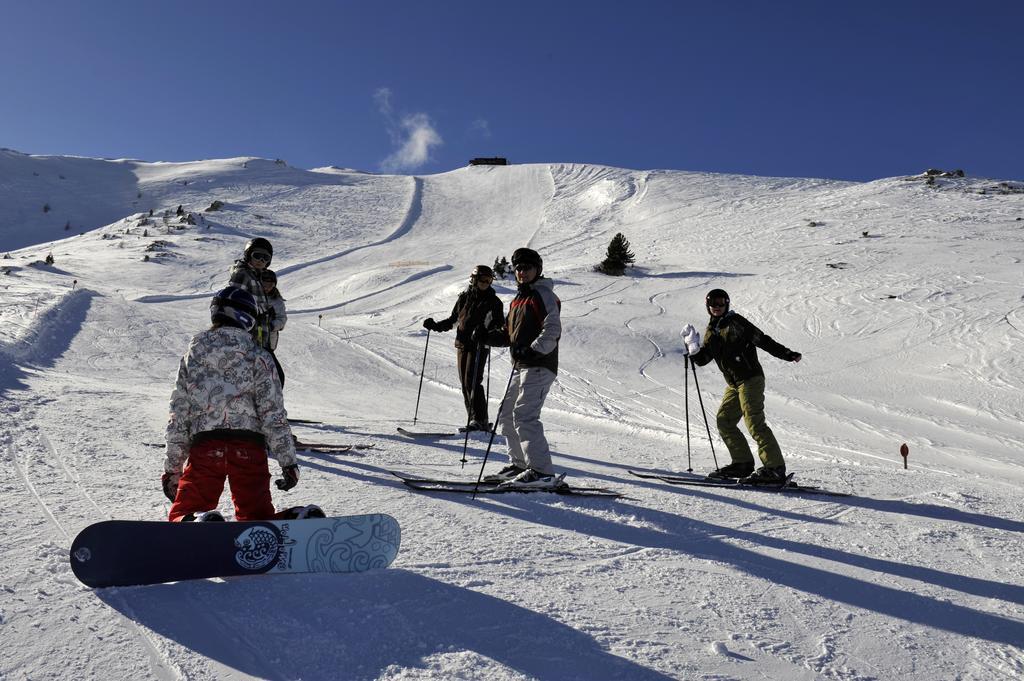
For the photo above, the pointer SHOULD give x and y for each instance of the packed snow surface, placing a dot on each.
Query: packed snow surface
(903, 294)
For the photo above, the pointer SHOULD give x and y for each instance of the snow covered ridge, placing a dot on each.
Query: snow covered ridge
(49, 198)
(36, 325)
(905, 300)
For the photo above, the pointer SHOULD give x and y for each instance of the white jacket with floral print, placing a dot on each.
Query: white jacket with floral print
(226, 382)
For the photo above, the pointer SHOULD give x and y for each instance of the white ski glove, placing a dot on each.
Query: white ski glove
(691, 337)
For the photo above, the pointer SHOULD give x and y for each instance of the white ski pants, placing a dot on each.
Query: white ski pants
(520, 419)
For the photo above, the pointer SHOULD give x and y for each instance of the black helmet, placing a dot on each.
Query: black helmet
(528, 256)
(234, 306)
(481, 271)
(258, 244)
(716, 294)
(268, 277)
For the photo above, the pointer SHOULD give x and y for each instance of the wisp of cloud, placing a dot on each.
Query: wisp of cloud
(419, 137)
(414, 136)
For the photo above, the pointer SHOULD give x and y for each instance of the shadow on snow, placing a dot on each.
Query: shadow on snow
(359, 625)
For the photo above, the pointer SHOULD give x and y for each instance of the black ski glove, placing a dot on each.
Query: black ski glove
(479, 335)
(523, 353)
(169, 481)
(794, 357)
(290, 477)
(429, 324)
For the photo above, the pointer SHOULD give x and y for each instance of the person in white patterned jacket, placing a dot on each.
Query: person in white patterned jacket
(226, 410)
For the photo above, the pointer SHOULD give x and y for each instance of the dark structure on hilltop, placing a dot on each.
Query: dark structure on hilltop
(492, 161)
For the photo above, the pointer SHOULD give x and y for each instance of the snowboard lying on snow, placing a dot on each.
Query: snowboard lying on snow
(131, 552)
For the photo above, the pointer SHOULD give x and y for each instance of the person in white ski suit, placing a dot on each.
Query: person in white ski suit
(226, 410)
(532, 329)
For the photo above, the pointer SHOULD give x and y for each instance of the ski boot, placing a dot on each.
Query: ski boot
(737, 469)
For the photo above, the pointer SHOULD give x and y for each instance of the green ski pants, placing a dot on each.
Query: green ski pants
(746, 401)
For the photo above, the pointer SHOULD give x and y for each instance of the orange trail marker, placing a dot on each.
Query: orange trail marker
(904, 452)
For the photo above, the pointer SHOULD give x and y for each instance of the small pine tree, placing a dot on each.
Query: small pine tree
(49, 258)
(618, 257)
(499, 268)
(505, 267)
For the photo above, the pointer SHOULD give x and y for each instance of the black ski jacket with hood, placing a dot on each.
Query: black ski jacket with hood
(470, 311)
(732, 341)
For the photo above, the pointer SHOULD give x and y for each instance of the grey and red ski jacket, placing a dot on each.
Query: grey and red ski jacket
(732, 341)
(227, 387)
(471, 310)
(534, 320)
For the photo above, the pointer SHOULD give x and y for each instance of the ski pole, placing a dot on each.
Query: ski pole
(422, 370)
(686, 408)
(701, 399)
(494, 429)
(472, 400)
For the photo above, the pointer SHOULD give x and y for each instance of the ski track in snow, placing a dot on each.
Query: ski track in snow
(914, 336)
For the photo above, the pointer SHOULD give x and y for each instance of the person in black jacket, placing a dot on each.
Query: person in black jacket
(477, 306)
(732, 341)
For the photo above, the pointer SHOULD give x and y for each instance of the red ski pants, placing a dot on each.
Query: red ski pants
(243, 464)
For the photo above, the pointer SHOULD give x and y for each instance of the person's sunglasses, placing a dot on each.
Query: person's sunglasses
(260, 255)
(524, 268)
(716, 303)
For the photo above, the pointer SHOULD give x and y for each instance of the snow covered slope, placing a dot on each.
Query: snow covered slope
(903, 296)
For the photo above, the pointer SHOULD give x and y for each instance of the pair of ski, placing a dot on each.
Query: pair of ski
(482, 487)
(786, 485)
(331, 448)
(472, 487)
(418, 435)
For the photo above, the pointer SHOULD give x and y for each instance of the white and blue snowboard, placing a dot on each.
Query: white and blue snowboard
(132, 552)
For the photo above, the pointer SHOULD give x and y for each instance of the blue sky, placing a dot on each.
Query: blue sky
(845, 90)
